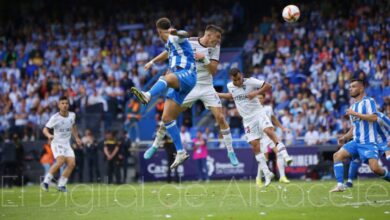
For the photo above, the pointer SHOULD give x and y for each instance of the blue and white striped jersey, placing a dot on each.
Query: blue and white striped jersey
(383, 128)
(180, 53)
(364, 132)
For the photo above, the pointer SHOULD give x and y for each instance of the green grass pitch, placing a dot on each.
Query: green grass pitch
(234, 199)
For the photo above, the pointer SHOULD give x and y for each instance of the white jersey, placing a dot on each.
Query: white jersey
(248, 109)
(267, 111)
(62, 127)
(204, 77)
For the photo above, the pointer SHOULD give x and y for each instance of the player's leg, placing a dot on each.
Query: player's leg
(161, 132)
(378, 170)
(281, 148)
(347, 151)
(354, 165)
(169, 80)
(70, 165)
(60, 160)
(170, 113)
(281, 163)
(226, 134)
(260, 157)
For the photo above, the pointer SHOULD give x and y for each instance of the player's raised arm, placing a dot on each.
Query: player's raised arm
(225, 96)
(263, 89)
(161, 57)
(370, 116)
(277, 123)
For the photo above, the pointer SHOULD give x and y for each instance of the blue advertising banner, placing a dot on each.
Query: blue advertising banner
(219, 166)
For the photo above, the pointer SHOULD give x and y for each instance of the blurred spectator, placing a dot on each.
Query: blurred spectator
(133, 115)
(185, 137)
(124, 154)
(324, 135)
(79, 169)
(91, 155)
(311, 137)
(47, 157)
(111, 151)
(200, 156)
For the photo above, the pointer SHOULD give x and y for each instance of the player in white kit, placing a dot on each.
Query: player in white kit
(244, 92)
(266, 142)
(63, 124)
(207, 52)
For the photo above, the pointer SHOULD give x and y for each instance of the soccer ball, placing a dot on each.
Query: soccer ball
(291, 13)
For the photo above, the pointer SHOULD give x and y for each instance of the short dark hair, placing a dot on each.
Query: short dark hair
(234, 71)
(361, 81)
(163, 23)
(212, 27)
(62, 98)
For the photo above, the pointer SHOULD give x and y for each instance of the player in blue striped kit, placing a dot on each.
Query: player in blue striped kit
(363, 134)
(383, 139)
(180, 79)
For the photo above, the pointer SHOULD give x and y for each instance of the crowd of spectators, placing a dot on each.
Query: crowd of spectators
(310, 63)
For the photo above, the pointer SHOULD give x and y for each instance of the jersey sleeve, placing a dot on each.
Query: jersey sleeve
(214, 55)
(255, 82)
(176, 39)
(51, 123)
(383, 119)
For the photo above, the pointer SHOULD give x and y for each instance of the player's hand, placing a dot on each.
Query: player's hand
(78, 142)
(148, 65)
(284, 129)
(341, 141)
(199, 56)
(350, 112)
(252, 95)
(172, 31)
(50, 137)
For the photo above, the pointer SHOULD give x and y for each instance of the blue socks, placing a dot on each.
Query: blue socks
(158, 88)
(174, 132)
(338, 169)
(353, 168)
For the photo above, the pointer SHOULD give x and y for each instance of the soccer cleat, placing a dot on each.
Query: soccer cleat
(284, 179)
(141, 96)
(259, 182)
(268, 179)
(348, 184)
(62, 189)
(233, 159)
(179, 159)
(338, 188)
(288, 160)
(45, 187)
(150, 152)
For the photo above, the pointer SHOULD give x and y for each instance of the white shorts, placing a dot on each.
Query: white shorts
(254, 130)
(204, 93)
(60, 149)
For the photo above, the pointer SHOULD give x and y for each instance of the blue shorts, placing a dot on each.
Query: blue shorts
(362, 151)
(187, 81)
(382, 147)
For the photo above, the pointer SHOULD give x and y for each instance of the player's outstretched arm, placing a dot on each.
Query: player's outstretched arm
(179, 33)
(366, 117)
(161, 57)
(225, 96)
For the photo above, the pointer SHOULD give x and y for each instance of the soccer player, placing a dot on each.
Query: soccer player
(180, 80)
(64, 127)
(267, 142)
(207, 51)
(363, 134)
(244, 92)
(383, 139)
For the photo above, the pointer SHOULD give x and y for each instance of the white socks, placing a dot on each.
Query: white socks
(282, 150)
(159, 136)
(280, 163)
(62, 181)
(227, 138)
(48, 178)
(262, 163)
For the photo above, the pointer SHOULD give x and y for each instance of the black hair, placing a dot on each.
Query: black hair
(163, 23)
